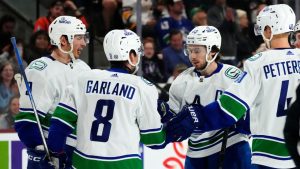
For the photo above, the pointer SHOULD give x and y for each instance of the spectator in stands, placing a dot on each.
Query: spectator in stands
(129, 17)
(7, 27)
(7, 119)
(39, 45)
(6, 80)
(223, 17)
(245, 45)
(56, 9)
(177, 70)
(152, 65)
(176, 20)
(174, 53)
(198, 16)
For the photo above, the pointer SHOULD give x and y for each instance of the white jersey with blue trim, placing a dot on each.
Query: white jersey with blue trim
(267, 87)
(113, 112)
(48, 79)
(190, 87)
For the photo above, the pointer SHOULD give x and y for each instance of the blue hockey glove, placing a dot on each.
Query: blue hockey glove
(182, 126)
(164, 111)
(58, 161)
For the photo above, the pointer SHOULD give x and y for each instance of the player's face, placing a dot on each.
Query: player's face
(197, 55)
(297, 42)
(79, 43)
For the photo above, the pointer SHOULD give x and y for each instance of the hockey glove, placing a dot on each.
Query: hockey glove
(58, 161)
(182, 126)
(164, 111)
(35, 156)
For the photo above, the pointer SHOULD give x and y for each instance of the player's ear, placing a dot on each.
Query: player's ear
(267, 32)
(63, 40)
(133, 57)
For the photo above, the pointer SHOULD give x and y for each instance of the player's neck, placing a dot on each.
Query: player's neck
(210, 69)
(60, 56)
(280, 42)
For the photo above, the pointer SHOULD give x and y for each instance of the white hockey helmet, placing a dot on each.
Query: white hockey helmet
(280, 18)
(65, 25)
(297, 27)
(207, 36)
(69, 26)
(118, 44)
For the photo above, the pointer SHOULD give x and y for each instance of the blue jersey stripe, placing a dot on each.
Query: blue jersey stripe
(270, 156)
(269, 137)
(151, 130)
(68, 107)
(108, 158)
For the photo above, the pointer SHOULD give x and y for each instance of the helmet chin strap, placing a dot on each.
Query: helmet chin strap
(267, 41)
(70, 52)
(208, 62)
(136, 66)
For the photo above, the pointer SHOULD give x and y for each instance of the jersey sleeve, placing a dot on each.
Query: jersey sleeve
(233, 104)
(25, 121)
(151, 130)
(175, 94)
(63, 121)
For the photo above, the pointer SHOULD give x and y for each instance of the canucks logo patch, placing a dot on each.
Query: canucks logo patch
(255, 57)
(232, 72)
(147, 81)
(38, 65)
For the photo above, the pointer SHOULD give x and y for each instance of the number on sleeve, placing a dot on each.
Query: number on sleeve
(103, 114)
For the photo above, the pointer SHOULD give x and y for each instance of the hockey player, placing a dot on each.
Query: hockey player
(112, 110)
(269, 77)
(48, 76)
(202, 84)
(297, 35)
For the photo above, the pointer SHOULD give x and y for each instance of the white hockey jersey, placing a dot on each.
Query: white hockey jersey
(190, 87)
(48, 79)
(114, 112)
(267, 87)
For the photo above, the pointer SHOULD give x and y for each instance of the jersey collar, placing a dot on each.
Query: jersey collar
(120, 70)
(219, 67)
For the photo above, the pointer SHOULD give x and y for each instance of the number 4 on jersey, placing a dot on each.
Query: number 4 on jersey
(283, 99)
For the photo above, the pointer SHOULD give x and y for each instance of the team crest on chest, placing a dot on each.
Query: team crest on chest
(232, 73)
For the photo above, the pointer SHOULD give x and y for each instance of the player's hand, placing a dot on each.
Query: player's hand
(186, 121)
(58, 161)
(164, 111)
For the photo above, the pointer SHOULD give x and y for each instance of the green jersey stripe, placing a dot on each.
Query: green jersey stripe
(26, 116)
(269, 147)
(85, 162)
(208, 142)
(65, 115)
(232, 106)
(157, 138)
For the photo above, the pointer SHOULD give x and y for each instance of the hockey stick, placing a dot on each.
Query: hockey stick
(20, 63)
(223, 148)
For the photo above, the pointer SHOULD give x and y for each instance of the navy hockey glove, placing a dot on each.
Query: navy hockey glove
(58, 161)
(164, 111)
(182, 126)
(34, 157)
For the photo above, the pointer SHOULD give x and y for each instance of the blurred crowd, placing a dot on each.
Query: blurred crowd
(165, 25)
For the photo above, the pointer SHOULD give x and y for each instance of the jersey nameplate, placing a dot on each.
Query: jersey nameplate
(38, 65)
(232, 73)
